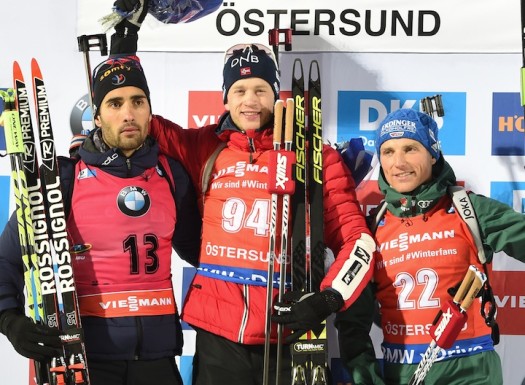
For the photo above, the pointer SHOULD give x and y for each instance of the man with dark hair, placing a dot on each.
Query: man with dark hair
(129, 207)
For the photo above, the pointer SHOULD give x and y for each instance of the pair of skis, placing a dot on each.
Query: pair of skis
(303, 197)
(48, 273)
(309, 353)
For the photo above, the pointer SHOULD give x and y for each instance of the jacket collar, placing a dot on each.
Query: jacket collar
(96, 153)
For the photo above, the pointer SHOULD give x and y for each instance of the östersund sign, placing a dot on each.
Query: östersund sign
(336, 25)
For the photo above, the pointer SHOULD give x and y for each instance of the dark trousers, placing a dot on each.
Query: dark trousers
(159, 372)
(218, 361)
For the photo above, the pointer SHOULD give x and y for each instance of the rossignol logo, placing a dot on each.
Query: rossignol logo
(59, 239)
(308, 347)
(133, 201)
(26, 125)
(46, 143)
(41, 238)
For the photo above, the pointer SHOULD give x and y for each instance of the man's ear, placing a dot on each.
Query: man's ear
(226, 107)
(434, 160)
(97, 121)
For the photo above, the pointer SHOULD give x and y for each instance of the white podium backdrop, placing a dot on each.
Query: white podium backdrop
(473, 59)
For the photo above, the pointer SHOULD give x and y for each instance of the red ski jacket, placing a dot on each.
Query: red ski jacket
(235, 221)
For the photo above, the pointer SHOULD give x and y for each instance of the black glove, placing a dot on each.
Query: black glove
(36, 341)
(302, 312)
(134, 11)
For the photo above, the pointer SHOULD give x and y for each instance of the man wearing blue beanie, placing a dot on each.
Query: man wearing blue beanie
(425, 249)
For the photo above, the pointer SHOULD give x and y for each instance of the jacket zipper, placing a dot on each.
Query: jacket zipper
(244, 320)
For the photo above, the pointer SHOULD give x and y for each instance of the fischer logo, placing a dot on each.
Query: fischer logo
(317, 141)
(133, 303)
(300, 168)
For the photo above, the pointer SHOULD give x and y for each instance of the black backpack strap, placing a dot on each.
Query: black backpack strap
(375, 216)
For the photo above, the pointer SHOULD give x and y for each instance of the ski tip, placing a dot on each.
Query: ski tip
(35, 68)
(17, 72)
(314, 71)
(297, 70)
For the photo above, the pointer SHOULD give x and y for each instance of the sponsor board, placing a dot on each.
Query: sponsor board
(360, 112)
(507, 124)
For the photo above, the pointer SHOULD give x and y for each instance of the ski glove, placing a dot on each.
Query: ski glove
(133, 11)
(36, 341)
(302, 312)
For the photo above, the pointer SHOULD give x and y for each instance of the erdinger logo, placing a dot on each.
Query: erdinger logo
(133, 201)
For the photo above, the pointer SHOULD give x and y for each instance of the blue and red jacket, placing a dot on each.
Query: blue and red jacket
(122, 225)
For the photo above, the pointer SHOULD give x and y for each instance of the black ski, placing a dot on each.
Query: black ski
(45, 297)
(309, 353)
(319, 354)
(69, 321)
(298, 241)
(48, 273)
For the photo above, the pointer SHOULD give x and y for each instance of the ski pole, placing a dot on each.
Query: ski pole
(522, 4)
(449, 322)
(289, 158)
(85, 43)
(277, 130)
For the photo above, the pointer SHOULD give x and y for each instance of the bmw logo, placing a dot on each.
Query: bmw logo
(81, 118)
(133, 201)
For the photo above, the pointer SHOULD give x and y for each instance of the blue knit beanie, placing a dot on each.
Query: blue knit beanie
(408, 123)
